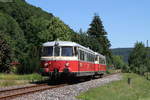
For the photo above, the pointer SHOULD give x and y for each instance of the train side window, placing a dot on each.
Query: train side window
(103, 61)
(81, 55)
(96, 58)
(88, 56)
(100, 61)
(85, 56)
(78, 54)
(93, 58)
(75, 51)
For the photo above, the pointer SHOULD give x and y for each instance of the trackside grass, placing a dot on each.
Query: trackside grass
(139, 89)
(13, 79)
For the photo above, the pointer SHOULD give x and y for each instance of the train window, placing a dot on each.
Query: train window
(88, 57)
(47, 51)
(57, 51)
(93, 58)
(75, 51)
(102, 61)
(67, 51)
(96, 58)
(85, 56)
(81, 55)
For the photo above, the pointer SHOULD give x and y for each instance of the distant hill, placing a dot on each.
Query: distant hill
(124, 52)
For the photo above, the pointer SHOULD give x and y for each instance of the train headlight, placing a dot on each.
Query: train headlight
(67, 64)
(46, 64)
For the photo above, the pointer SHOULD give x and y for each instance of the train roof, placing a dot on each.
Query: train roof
(60, 43)
(66, 43)
(69, 43)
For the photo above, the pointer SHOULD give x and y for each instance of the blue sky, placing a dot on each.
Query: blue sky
(126, 21)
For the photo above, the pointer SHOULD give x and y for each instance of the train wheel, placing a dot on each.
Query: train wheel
(101, 75)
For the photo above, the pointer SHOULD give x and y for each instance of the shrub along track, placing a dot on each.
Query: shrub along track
(12, 93)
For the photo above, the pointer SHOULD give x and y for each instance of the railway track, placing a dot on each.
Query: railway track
(15, 92)
(12, 93)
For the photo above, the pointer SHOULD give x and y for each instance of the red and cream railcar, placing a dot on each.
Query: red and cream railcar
(64, 57)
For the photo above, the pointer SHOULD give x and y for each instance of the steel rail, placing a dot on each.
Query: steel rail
(10, 96)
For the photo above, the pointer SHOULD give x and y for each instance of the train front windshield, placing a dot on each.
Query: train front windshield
(67, 51)
(58, 51)
(47, 51)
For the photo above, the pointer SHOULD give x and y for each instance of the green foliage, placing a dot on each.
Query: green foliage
(118, 62)
(147, 60)
(125, 68)
(31, 62)
(5, 55)
(13, 69)
(139, 60)
(56, 29)
(13, 34)
(83, 39)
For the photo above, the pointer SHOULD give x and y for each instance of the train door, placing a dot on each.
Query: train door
(79, 61)
(81, 67)
(56, 54)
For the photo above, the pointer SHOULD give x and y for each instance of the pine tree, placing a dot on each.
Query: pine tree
(97, 31)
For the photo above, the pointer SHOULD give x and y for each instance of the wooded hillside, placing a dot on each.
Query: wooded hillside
(24, 27)
(124, 52)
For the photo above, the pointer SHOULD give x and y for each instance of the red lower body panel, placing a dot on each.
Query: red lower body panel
(72, 66)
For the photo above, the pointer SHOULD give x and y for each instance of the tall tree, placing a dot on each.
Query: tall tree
(138, 60)
(97, 31)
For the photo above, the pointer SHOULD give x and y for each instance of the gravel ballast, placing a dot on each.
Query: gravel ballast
(69, 92)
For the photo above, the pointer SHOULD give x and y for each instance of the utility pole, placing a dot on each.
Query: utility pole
(147, 43)
(147, 58)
